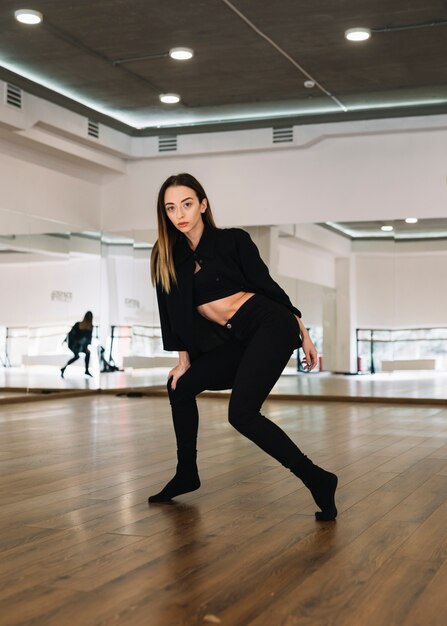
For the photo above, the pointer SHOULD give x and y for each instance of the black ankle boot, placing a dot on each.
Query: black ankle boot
(322, 485)
(186, 478)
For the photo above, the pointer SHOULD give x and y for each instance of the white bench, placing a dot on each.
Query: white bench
(138, 362)
(409, 364)
(45, 359)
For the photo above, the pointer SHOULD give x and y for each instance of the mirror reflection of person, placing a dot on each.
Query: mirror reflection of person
(234, 328)
(78, 339)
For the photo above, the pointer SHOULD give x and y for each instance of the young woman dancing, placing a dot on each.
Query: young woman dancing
(233, 327)
(78, 339)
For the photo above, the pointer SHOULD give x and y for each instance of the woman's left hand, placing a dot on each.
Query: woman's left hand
(310, 353)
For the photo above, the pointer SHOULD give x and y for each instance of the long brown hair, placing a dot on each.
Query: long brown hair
(87, 321)
(162, 259)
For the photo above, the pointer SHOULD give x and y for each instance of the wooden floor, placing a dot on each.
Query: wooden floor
(80, 546)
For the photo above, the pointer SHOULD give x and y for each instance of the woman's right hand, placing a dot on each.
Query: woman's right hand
(178, 371)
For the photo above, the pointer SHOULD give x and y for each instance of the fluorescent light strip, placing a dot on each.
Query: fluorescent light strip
(182, 119)
(189, 118)
(439, 234)
(358, 234)
(91, 104)
(342, 229)
(393, 105)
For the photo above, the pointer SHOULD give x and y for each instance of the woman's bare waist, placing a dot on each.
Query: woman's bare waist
(220, 311)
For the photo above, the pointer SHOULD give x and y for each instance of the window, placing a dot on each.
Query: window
(377, 345)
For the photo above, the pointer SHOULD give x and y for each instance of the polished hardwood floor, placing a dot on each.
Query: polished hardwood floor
(79, 544)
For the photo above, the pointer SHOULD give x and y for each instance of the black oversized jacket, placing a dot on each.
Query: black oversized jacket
(233, 255)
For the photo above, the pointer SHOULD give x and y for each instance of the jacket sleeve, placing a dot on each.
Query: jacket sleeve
(257, 272)
(170, 340)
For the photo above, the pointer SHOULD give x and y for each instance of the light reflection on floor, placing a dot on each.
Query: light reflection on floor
(413, 384)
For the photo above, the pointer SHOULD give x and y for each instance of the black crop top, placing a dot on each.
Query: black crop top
(209, 286)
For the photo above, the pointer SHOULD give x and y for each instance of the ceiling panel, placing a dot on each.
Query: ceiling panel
(246, 52)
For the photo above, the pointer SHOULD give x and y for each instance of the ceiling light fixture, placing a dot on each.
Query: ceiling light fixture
(386, 228)
(309, 84)
(169, 98)
(358, 34)
(181, 54)
(411, 220)
(28, 16)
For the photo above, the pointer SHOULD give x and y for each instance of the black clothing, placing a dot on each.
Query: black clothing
(262, 337)
(186, 477)
(250, 353)
(209, 286)
(75, 358)
(232, 255)
(79, 338)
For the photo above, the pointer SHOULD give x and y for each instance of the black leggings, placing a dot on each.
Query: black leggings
(262, 338)
(76, 357)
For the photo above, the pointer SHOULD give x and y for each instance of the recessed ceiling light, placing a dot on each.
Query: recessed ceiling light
(309, 84)
(386, 228)
(169, 98)
(411, 220)
(181, 54)
(28, 16)
(358, 34)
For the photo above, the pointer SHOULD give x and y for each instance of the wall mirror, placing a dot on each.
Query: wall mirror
(49, 277)
(400, 318)
(364, 292)
(133, 354)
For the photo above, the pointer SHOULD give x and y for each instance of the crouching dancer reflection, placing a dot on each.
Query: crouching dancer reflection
(233, 327)
(78, 339)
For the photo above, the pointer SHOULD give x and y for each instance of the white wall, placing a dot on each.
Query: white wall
(343, 177)
(30, 285)
(388, 168)
(130, 298)
(306, 262)
(307, 297)
(43, 190)
(401, 290)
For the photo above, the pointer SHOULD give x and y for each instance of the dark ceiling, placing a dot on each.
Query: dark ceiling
(251, 60)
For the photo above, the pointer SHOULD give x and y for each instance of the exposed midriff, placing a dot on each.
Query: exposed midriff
(220, 311)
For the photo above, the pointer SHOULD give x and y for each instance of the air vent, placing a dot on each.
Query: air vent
(283, 134)
(93, 129)
(167, 144)
(13, 96)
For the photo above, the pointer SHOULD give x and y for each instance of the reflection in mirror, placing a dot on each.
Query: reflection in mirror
(14, 231)
(131, 331)
(117, 281)
(51, 277)
(305, 268)
(400, 299)
(150, 363)
(374, 300)
(81, 340)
